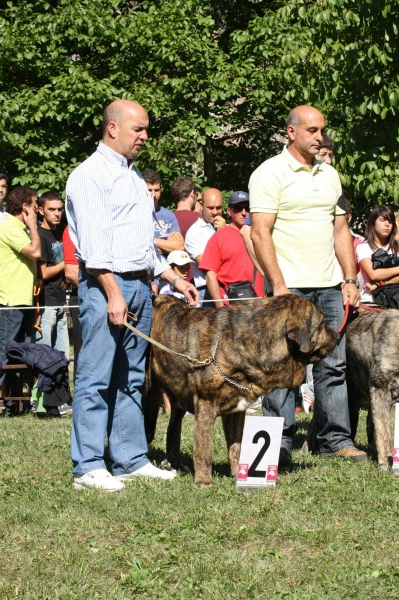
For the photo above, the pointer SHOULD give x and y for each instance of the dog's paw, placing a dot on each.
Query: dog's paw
(383, 468)
(183, 470)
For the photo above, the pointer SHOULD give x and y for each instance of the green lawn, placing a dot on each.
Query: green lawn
(329, 529)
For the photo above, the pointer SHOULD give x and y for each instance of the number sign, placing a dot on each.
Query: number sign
(260, 450)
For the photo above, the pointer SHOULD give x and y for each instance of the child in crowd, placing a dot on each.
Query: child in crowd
(180, 262)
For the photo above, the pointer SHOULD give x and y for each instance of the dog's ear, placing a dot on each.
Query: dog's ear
(300, 335)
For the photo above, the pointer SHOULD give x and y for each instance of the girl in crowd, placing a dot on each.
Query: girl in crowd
(381, 232)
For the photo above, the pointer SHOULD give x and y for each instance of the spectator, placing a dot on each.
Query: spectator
(180, 262)
(111, 225)
(51, 268)
(198, 201)
(166, 227)
(201, 231)
(225, 259)
(19, 250)
(302, 241)
(380, 233)
(71, 276)
(184, 193)
(326, 150)
(3, 194)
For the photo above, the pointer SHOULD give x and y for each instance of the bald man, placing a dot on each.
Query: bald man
(200, 233)
(110, 216)
(303, 244)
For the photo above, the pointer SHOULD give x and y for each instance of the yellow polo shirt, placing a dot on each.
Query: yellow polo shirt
(304, 200)
(17, 272)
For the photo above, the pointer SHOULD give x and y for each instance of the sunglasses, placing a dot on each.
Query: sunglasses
(238, 209)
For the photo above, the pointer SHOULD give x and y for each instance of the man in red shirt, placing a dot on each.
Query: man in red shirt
(225, 258)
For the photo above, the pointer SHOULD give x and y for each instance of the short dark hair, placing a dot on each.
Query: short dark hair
(151, 176)
(327, 142)
(48, 196)
(5, 176)
(112, 112)
(292, 119)
(18, 197)
(181, 188)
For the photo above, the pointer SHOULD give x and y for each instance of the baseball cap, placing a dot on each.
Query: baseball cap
(178, 257)
(238, 198)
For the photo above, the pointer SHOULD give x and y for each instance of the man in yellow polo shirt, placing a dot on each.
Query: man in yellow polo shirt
(303, 244)
(18, 254)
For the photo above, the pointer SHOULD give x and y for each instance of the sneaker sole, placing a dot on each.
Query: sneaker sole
(79, 486)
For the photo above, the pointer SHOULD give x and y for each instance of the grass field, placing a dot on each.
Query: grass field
(330, 529)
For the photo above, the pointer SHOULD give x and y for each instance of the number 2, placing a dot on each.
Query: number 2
(252, 471)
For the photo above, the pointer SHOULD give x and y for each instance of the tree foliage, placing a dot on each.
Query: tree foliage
(218, 78)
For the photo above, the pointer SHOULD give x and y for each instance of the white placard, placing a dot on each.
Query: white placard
(395, 460)
(260, 450)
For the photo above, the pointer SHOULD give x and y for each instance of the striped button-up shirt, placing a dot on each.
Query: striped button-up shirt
(110, 215)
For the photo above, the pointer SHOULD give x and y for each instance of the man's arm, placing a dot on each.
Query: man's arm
(213, 288)
(261, 227)
(49, 272)
(245, 232)
(32, 250)
(71, 273)
(175, 241)
(343, 245)
(183, 286)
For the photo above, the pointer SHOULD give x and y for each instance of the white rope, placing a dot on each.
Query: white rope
(36, 307)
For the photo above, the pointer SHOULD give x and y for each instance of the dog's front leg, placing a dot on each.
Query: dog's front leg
(173, 435)
(233, 426)
(203, 440)
(380, 406)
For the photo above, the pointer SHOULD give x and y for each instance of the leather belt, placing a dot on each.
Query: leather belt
(134, 274)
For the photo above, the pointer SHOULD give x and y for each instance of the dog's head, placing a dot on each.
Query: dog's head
(309, 338)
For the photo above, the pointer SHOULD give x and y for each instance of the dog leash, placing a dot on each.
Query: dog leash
(197, 363)
(347, 307)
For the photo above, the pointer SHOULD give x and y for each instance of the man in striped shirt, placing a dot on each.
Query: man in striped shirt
(110, 216)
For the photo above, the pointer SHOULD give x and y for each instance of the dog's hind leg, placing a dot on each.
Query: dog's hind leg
(173, 435)
(380, 406)
(233, 426)
(152, 401)
(203, 440)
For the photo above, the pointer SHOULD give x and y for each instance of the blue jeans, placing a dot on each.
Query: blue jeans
(331, 395)
(15, 324)
(54, 328)
(109, 378)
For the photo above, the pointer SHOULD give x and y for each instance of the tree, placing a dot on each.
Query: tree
(63, 61)
(341, 56)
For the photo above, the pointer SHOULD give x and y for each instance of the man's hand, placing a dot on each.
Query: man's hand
(351, 293)
(219, 222)
(29, 216)
(117, 310)
(190, 292)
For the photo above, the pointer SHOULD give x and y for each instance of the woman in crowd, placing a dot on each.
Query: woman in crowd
(381, 232)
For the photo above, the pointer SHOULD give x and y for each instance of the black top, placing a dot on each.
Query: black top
(52, 254)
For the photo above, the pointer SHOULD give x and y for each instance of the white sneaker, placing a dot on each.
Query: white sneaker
(147, 471)
(100, 479)
(307, 398)
(65, 409)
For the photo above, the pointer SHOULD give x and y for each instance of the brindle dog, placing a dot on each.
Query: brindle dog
(372, 345)
(257, 346)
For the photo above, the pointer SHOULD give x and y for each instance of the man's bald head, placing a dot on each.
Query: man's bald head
(212, 195)
(125, 125)
(305, 128)
(300, 113)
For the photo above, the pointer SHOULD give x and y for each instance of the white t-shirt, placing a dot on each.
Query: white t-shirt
(363, 250)
(197, 238)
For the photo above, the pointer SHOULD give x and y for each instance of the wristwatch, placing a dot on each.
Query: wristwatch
(354, 281)
(173, 282)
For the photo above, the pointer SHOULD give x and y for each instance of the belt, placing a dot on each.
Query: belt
(201, 287)
(134, 274)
